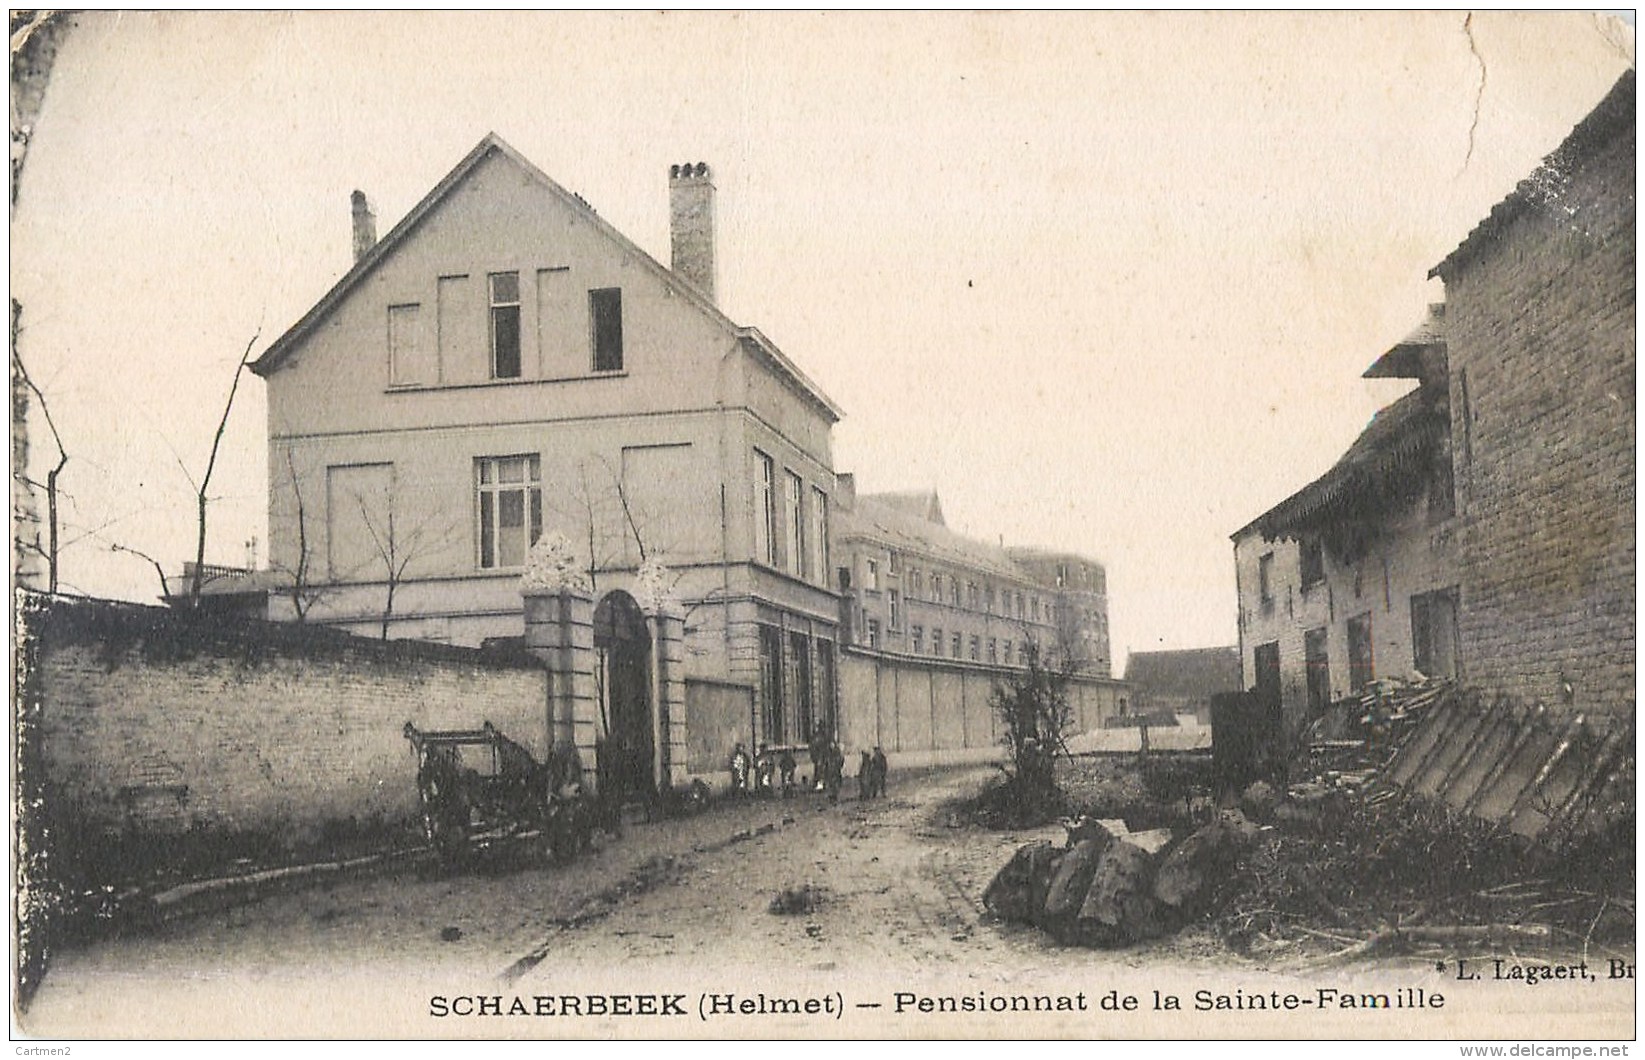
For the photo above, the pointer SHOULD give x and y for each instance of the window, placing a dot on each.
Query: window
(936, 642)
(796, 525)
(1019, 606)
(914, 586)
(1361, 654)
(972, 596)
(1434, 633)
(1317, 660)
(510, 509)
(954, 591)
(1265, 662)
(1036, 609)
(1008, 653)
(956, 644)
(1313, 564)
(771, 684)
(872, 581)
(873, 633)
(799, 651)
(407, 365)
(891, 563)
(819, 535)
(916, 637)
(976, 649)
(993, 650)
(505, 325)
(988, 600)
(605, 310)
(765, 512)
(894, 617)
(1265, 580)
(936, 587)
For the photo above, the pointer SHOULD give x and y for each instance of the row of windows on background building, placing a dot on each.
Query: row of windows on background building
(410, 359)
(797, 541)
(984, 598)
(998, 651)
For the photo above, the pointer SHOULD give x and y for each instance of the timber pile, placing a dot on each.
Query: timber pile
(1108, 887)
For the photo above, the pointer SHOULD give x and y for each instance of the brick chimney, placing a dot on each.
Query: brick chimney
(691, 225)
(365, 224)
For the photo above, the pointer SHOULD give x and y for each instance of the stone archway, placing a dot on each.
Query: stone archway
(622, 647)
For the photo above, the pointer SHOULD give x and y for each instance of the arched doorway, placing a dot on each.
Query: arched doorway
(622, 645)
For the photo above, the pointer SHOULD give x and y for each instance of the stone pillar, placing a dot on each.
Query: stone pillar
(668, 694)
(559, 630)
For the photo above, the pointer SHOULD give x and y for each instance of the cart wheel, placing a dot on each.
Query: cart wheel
(443, 820)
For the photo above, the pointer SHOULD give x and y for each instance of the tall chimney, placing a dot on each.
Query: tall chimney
(365, 224)
(691, 225)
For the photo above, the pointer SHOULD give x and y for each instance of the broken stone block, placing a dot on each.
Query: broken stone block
(1018, 890)
(1073, 876)
(1119, 906)
(1189, 873)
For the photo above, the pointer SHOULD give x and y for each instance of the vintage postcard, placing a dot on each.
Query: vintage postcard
(824, 525)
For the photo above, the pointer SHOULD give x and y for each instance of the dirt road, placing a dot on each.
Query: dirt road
(678, 909)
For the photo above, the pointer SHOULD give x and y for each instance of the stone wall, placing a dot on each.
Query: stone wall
(146, 723)
(934, 711)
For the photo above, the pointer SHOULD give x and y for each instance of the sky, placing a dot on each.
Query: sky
(1106, 282)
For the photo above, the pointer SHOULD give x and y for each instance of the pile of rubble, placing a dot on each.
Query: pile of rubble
(1110, 887)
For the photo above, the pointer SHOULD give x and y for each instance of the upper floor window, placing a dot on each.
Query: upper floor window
(973, 598)
(936, 587)
(765, 511)
(796, 526)
(954, 590)
(605, 310)
(955, 642)
(916, 637)
(509, 503)
(894, 610)
(914, 587)
(873, 633)
(505, 325)
(891, 563)
(871, 580)
(1265, 579)
(1313, 564)
(819, 534)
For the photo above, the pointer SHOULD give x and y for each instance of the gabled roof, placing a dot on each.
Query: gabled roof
(1196, 673)
(895, 525)
(1392, 456)
(922, 504)
(1414, 356)
(1547, 185)
(277, 353)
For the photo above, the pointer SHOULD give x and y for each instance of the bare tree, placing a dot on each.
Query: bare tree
(304, 591)
(205, 480)
(165, 586)
(50, 550)
(398, 548)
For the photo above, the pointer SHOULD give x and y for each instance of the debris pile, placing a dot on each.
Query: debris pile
(1109, 887)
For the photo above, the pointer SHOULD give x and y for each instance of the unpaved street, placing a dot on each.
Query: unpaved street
(682, 908)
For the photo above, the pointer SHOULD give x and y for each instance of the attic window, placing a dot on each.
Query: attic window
(605, 310)
(505, 325)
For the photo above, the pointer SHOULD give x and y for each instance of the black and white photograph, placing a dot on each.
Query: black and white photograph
(824, 525)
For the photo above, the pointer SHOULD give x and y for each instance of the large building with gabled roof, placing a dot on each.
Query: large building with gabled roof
(504, 364)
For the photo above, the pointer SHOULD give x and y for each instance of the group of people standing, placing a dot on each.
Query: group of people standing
(772, 770)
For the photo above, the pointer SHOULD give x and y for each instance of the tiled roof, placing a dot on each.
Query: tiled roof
(892, 524)
(1547, 184)
(1192, 672)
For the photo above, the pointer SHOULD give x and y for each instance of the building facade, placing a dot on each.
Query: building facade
(504, 365)
(1353, 578)
(1540, 318)
(911, 586)
(1483, 526)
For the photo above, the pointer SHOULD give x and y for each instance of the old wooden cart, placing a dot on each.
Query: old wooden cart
(477, 786)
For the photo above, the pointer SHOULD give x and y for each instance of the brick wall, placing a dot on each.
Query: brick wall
(1541, 340)
(146, 724)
